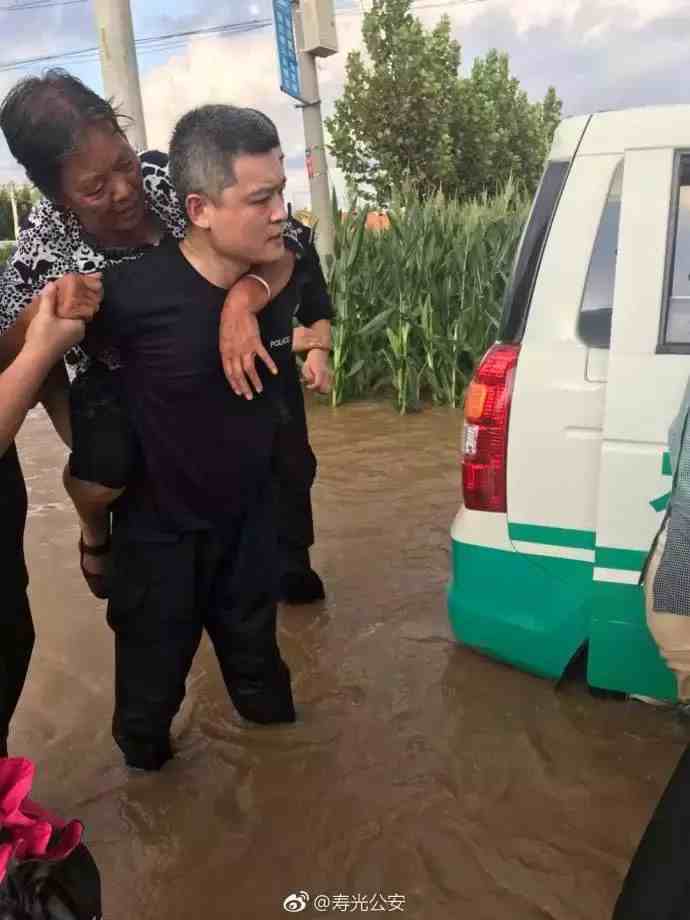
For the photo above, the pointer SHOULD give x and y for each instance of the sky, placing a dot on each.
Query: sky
(599, 54)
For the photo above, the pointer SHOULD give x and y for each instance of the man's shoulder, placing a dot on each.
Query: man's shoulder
(142, 264)
(128, 271)
(138, 282)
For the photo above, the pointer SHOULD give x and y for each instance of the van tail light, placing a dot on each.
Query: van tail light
(487, 412)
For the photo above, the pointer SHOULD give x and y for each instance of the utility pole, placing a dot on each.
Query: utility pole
(317, 167)
(15, 215)
(119, 64)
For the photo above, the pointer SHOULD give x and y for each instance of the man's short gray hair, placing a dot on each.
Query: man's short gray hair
(207, 141)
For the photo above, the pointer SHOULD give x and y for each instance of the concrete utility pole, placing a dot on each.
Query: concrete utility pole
(317, 166)
(119, 64)
(15, 215)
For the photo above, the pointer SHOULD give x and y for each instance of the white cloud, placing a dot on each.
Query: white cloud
(242, 72)
(598, 53)
(534, 14)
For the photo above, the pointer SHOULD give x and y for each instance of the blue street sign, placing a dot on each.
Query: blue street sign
(287, 55)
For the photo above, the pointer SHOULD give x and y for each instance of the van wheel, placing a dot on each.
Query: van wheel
(601, 694)
(575, 670)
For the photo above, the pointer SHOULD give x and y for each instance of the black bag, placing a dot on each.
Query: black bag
(68, 889)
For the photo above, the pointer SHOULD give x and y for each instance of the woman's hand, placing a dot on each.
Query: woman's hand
(79, 296)
(240, 346)
(47, 332)
(304, 339)
(240, 342)
(315, 371)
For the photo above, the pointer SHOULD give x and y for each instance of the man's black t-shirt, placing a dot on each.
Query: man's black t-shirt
(12, 521)
(206, 451)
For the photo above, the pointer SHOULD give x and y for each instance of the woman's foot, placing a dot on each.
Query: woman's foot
(94, 561)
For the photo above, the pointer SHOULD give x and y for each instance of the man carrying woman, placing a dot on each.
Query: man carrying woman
(106, 205)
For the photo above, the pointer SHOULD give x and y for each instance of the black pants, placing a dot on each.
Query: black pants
(165, 593)
(657, 886)
(16, 645)
(294, 471)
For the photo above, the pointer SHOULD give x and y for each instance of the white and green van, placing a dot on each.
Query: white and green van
(565, 470)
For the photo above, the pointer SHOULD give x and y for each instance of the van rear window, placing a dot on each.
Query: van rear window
(596, 310)
(528, 259)
(676, 323)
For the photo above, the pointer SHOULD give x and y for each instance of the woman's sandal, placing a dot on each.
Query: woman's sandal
(98, 582)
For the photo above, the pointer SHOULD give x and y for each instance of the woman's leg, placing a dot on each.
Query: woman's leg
(103, 450)
(16, 645)
(92, 502)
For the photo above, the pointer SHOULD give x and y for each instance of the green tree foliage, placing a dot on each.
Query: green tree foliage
(407, 114)
(395, 117)
(26, 197)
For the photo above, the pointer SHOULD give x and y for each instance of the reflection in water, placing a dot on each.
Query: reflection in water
(418, 767)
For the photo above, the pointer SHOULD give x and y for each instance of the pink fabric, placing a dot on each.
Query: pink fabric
(28, 826)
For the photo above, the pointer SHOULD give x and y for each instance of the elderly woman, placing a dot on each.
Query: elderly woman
(103, 204)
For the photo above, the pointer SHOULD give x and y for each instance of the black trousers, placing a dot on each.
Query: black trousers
(657, 886)
(166, 591)
(16, 644)
(294, 472)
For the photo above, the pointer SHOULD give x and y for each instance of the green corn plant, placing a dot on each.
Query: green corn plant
(400, 357)
(344, 277)
(417, 305)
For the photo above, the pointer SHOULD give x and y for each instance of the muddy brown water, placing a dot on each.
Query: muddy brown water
(418, 768)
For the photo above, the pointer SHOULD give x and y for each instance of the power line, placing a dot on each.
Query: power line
(39, 4)
(415, 6)
(83, 53)
(432, 6)
(250, 25)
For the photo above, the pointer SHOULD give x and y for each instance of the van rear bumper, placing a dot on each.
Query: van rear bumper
(509, 606)
(535, 612)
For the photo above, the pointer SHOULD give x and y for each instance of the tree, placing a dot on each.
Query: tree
(394, 119)
(551, 115)
(406, 113)
(499, 132)
(26, 196)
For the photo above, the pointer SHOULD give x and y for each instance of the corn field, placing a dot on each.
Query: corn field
(418, 304)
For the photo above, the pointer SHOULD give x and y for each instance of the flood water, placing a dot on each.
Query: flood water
(417, 768)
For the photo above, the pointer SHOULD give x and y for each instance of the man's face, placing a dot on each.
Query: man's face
(246, 222)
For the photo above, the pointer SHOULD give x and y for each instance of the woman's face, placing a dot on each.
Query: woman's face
(101, 183)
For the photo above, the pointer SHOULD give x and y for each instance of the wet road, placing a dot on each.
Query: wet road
(418, 768)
